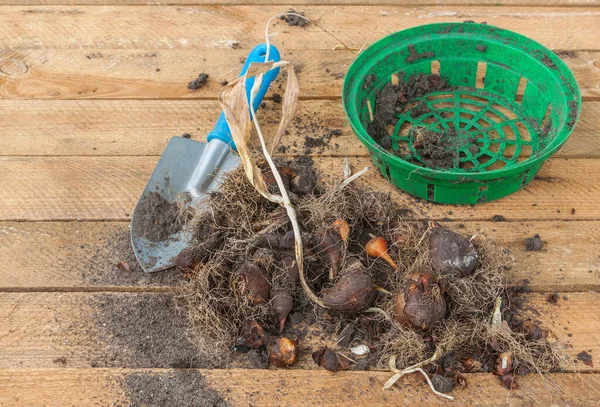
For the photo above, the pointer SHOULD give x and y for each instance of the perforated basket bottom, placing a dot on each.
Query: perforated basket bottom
(488, 132)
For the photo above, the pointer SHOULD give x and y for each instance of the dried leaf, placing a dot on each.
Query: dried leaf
(289, 104)
(257, 68)
(342, 227)
(234, 103)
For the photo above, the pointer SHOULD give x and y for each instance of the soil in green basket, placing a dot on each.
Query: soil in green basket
(393, 99)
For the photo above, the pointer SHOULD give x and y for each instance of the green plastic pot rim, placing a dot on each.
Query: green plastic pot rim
(393, 160)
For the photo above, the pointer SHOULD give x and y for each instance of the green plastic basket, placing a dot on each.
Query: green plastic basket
(511, 104)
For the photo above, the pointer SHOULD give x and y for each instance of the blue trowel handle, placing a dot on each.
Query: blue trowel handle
(221, 130)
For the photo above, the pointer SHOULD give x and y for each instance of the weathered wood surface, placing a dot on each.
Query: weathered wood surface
(107, 188)
(143, 127)
(38, 329)
(104, 387)
(63, 256)
(164, 73)
(209, 27)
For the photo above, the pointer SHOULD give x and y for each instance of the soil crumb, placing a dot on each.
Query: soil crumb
(143, 330)
(156, 218)
(295, 20)
(586, 358)
(276, 98)
(534, 244)
(199, 82)
(182, 388)
(111, 261)
(498, 218)
(553, 298)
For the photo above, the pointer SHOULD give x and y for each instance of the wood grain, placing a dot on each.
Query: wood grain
(66, 256)
(102, 387)
(39, 328)
(270, 388)
(54, 74)
(208, 27)
(540, 3)
(107, 188)
(143, 127)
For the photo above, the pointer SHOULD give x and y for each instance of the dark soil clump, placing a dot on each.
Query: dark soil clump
(156, 218)
(553, 298)
(182, 388)
(441, 383)
(534, 244)
(276, 98)
(295, 20)
(498, 218)
(586, 358)
(143, 331)
(199, 82)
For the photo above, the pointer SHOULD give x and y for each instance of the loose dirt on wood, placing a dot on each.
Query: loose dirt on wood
(199, 82)
(534, 244)
(182, 388)
(143, 330)
(110, 261)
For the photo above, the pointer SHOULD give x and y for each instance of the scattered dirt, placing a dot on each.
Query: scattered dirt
(145, 330)
(548, 62)
(101, 263)
(534, 244)
(498, 218)
(481, 48)
(553, 298)
(586, 358)
(60, 361)
(182, 388)
(199, 82)
(415, 56)
(295, 20)
(572, 113)
(156, 219)
(276, 98)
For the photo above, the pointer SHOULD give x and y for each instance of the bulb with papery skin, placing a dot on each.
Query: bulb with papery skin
(421, 304)
(282, 352)
(378, 248)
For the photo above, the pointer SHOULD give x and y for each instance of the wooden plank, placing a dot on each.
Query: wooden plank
(107, 188)
(143, 127)
(77, 256)
(541, 3)
(199, 28)
(40, 328)
(104, 387)
(164, 73)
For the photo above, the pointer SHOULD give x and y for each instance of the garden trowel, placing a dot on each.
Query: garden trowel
(193, 169)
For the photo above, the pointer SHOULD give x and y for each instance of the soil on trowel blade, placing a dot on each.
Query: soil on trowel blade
(155, 218)
(182, 388)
